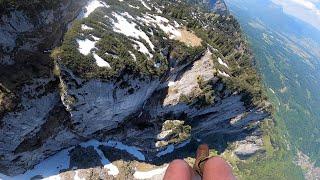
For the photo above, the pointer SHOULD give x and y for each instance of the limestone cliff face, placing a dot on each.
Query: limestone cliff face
(123, 70)
(31, 113)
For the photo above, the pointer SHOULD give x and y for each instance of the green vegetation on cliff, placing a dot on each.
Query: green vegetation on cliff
(222, 35)
(226, 36)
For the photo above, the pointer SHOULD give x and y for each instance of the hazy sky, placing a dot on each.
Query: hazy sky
(306, 10)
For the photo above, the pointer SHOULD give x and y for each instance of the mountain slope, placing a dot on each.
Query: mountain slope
(148, 78)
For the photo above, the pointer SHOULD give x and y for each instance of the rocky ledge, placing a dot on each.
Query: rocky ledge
(138, 77)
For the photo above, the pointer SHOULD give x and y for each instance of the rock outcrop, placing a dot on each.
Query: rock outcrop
(31, 113)
(150, 77)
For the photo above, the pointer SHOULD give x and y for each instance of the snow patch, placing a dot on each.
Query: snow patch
(223, 63)
(183, 144)
(149, 174)
(163, 24)
(176, 24)
(157, 10)
(85, 27)
(133, 55)
(127, 28)
(171, 83)
(145, 5)
(91, 7)
(223, 73)
(168, 150)
(171, 148)
(112, 169)
(135, 7)
(142, 48)
(130, 149)
(85, 46)
(101, 62)
(49, 168)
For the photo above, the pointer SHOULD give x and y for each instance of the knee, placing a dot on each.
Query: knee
(179, 164)
(216, 161)
(219, 168)
(178, 169)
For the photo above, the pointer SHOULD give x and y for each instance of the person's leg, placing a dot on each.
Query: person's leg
(217, 169)
(179, 170)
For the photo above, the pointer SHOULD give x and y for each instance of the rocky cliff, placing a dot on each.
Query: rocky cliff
(148, 79)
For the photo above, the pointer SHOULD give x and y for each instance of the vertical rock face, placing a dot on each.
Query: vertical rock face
(156, 73)
(104, 106)
(31, 113)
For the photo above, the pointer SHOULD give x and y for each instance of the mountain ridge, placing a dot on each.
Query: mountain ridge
(189, 71)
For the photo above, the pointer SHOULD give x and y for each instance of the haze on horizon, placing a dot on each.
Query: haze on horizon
(305, 10)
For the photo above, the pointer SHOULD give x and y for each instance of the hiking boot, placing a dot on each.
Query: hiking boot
(202, 156)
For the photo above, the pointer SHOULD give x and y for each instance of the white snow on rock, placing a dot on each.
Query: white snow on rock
(183, 144)
(123, 26)
(223, 63)
(142, 48)
(135, 7)
(171, 148)
(223, 73)
(149, 174)
(171, 83)
(101, 62)
(112, 169)
(85, 27)
(130, 149)
(176, 24)
(48, 169)
(85, 46)
(91, 7)
(145, 5)
(168, 150)
(163, 23)
(158, 10)
(133, 55)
